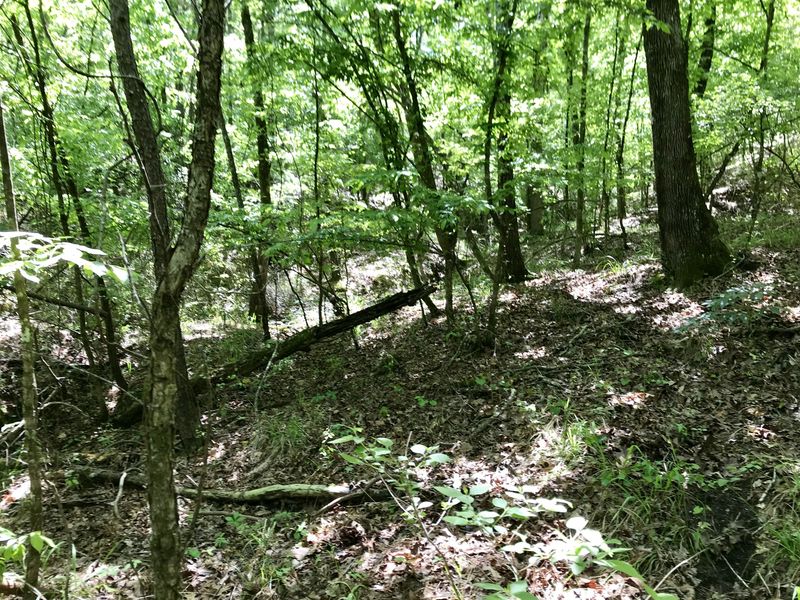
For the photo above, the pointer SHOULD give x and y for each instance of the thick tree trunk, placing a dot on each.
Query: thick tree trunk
(29, 392)
(690, 242)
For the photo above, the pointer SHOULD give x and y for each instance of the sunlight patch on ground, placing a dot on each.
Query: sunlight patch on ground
(9, 331)
(17, 491)
(677, 309)
(630, 399)
(532, 353)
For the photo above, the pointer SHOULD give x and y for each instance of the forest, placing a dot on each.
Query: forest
(416, 299)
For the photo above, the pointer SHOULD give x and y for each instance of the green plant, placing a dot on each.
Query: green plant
(423, 402)
(514, 590)
(13, 547)
(743, 304)
(518, 505)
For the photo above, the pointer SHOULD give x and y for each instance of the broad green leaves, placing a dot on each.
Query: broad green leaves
(38, 253)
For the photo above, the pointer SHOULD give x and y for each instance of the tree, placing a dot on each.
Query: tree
(29, 391)
(690, 243)
(148, 155)
(177, 263)
(503, 203)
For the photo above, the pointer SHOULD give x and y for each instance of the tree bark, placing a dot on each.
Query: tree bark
(420, 145)
(622, 193)
(260, 269)
(580, 142)
(706, 52)
(503, 204)
(29, 392)
(690, 242)
(149, 158)
(304, 340)
(165, 340)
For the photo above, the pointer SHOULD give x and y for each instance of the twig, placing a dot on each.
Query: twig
(118, 497)
(340, 499)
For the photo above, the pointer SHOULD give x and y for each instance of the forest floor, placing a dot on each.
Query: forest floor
(610, 412)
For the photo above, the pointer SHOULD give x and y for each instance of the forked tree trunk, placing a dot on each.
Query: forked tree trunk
(690, 242)
(165, 341)
(149, 156)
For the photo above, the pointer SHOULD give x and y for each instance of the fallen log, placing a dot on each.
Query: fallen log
(291, 492)
(303, 340)
(130, 413)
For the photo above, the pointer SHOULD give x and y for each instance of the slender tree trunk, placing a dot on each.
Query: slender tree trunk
(29, 392)
(690, 242)
(149, 157)
(36, 71)
(446, 235)
(613, 98)
(264, 168)
(580, 142)
(622, 193)
(503, 203)
(255, 268)
(706, 52)
(758, 166)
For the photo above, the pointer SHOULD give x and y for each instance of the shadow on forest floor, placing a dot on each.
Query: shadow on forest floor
(670, 425)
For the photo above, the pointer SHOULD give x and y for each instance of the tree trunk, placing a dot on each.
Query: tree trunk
(446, 235)
(622, 193)
(264, 171)
(758, 166)
(304, 340)
(690, 242)
(149, 156)
(706, 52)
(580, 142)
(165, 339)
(36, 71)
(29, 393)
(503, 204)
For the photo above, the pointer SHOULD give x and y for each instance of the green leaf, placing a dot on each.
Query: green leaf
(35, 538)
(438, 458)
(419, 449)
(622, 566)
(515, 587)
(500, 502)
(477, 490)
(351, 459)
(385, 442)
(343, 439)
(659, 595)
(490, 587)
(11, 266)
(453, 493)
(453, 520)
